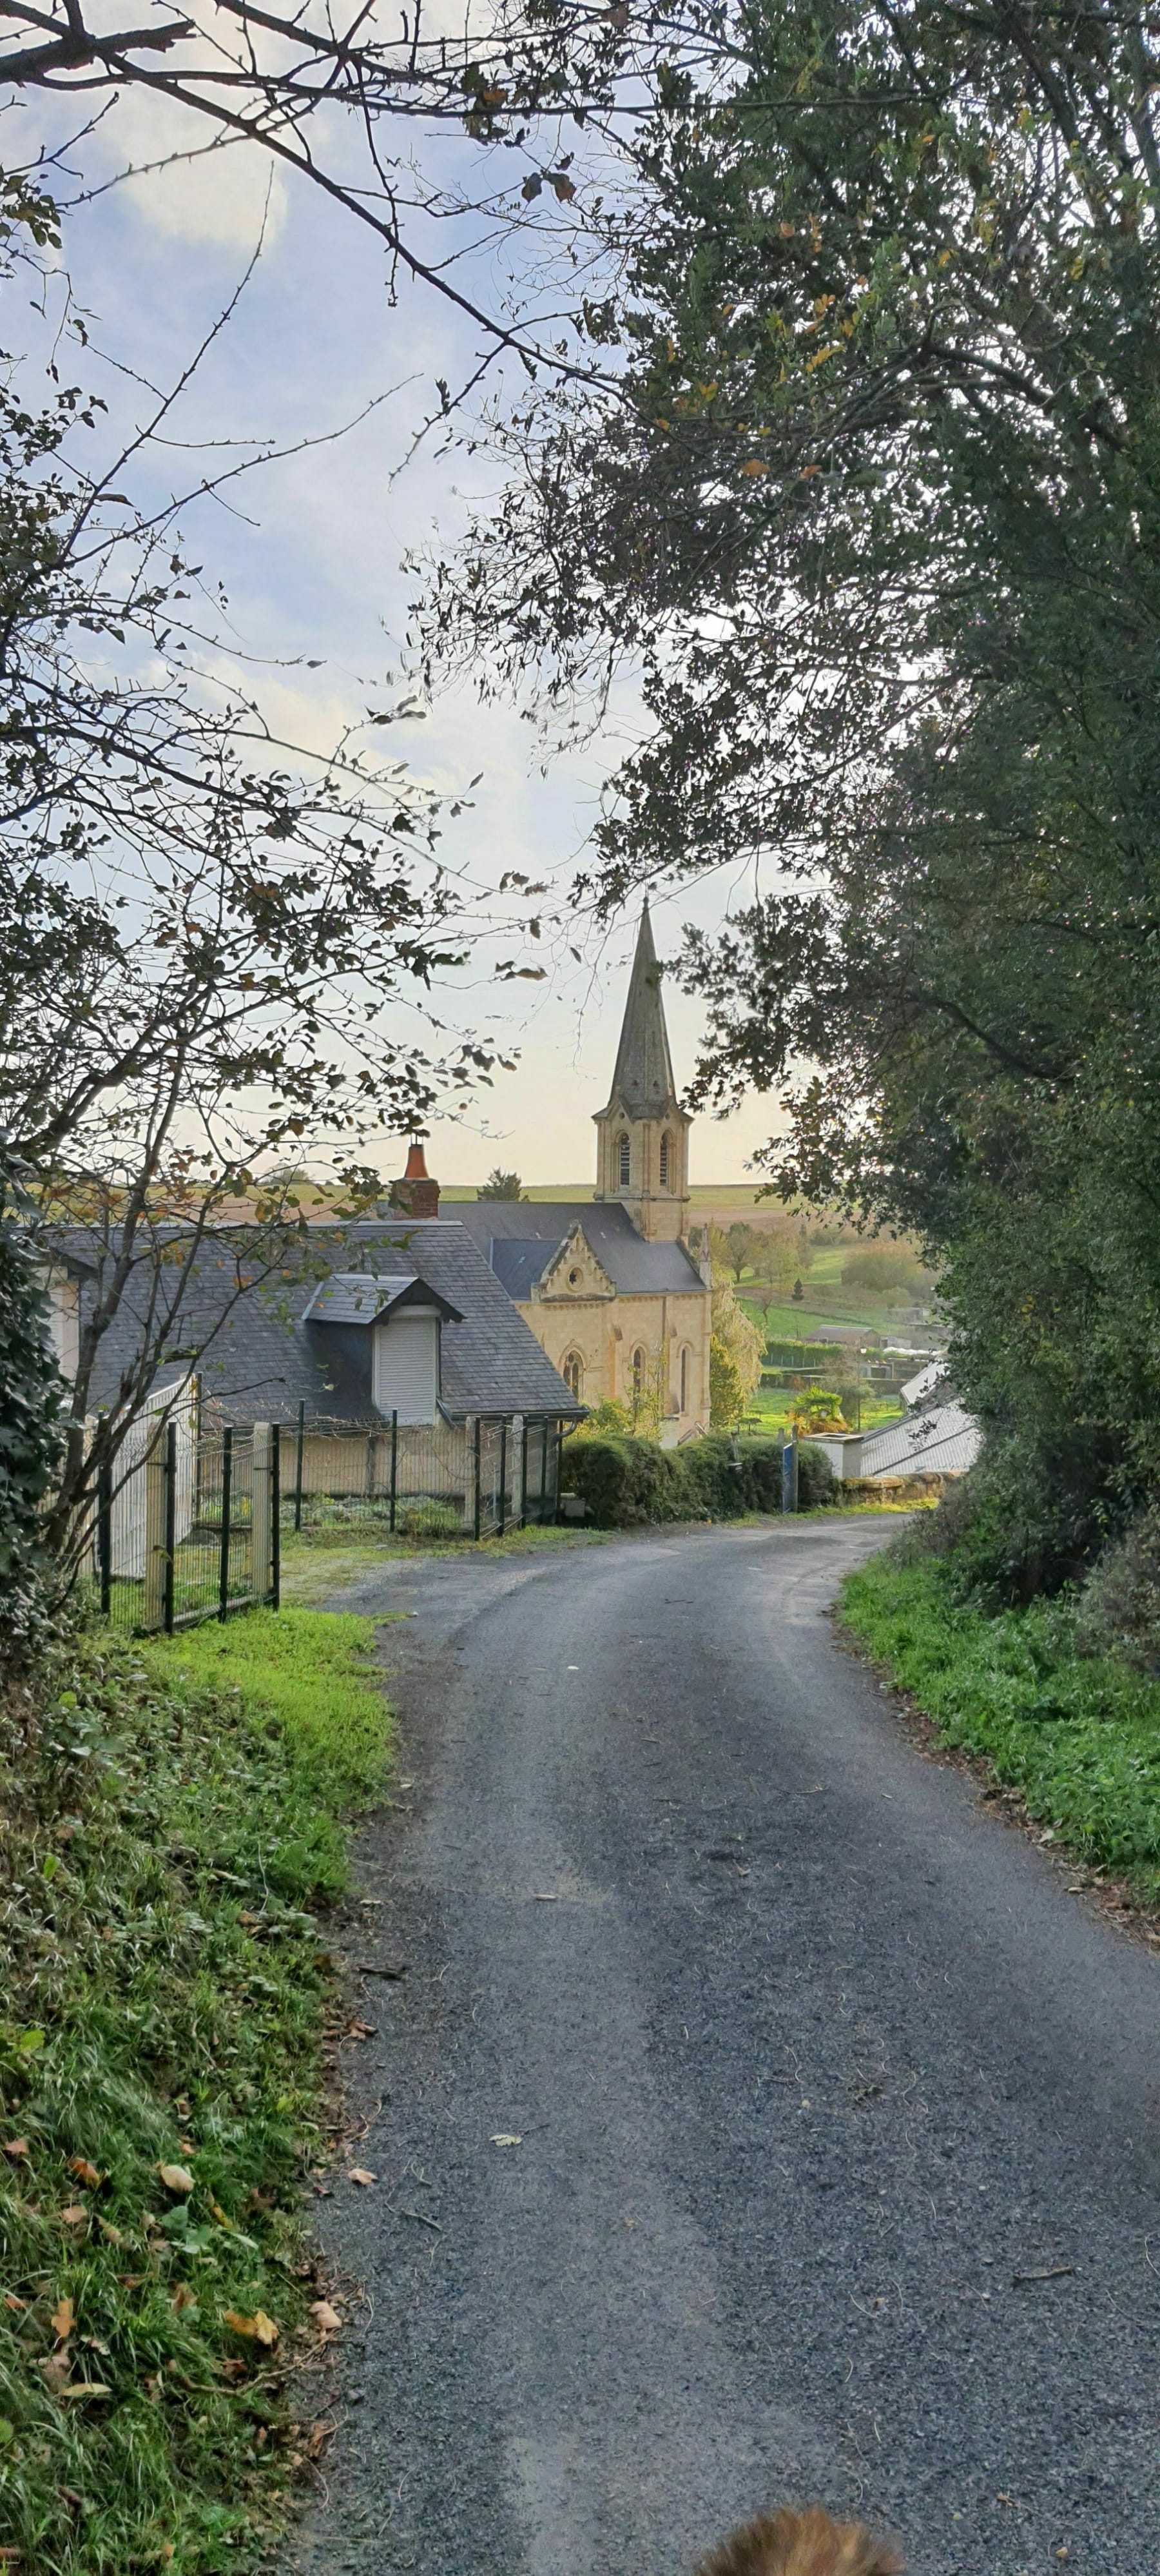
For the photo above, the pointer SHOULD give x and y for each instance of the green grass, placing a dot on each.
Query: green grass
(317, 1564)
(170, 1822)
(1078, 1738)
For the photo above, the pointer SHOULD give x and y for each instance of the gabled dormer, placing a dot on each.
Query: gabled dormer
(386, 1334)
(574, 1271)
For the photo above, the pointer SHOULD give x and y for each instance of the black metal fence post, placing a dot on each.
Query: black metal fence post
(524, 1474)
(298, 1463)
(503, 1445)
(543, 1469)
(105, 1536)
(394, 1472)
(170, 1521)
(476, 1513)
(224, 1559)
(556, 1476)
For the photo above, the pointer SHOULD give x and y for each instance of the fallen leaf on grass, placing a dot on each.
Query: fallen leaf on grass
(358, 2173)
(11, 2300)
(183, 2297)
(63, 2319)
(85, 2388)
(75, 2215)
(260, 2328)
(326, 2318)
(16, 2146)
(84, 2171)
(176, 2177)
(506, 2138)
(112, 2234)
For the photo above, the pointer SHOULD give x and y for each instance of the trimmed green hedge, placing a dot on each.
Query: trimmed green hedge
(627, 1482)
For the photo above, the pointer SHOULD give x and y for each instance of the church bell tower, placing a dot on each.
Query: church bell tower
(643, 1134)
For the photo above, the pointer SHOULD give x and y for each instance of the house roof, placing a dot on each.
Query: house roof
(262, 1357)
(362, 1297)
(509, 1231)
(938, 1439)
(642, 1084)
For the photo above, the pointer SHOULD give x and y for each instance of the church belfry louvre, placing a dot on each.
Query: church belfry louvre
(608, 1285)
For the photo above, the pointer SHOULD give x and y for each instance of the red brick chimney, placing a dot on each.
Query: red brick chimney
(416, 1194)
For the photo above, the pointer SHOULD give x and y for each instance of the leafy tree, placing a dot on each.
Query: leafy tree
(726, 1392)
(878, 506)
(32, 1401)
(501, 1185)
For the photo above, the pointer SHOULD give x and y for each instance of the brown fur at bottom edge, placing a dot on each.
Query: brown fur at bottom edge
(801, 2544)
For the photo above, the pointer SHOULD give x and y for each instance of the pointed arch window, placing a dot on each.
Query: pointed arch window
(572, 1373)
(686, 1372)
(623, 1153)
(666, 1161)
(638, 1365)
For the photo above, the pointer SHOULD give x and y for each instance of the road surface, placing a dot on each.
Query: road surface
(836, 2113)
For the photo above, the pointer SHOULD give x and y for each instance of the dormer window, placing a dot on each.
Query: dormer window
(666, 1159)
(623, 1154)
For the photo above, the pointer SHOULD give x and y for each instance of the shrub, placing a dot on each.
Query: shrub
(627, 1483)
(1119, 1610)
(1029, 1518)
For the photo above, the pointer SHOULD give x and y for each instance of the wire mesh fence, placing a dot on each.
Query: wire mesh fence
(189, 1523)
(424, 1480)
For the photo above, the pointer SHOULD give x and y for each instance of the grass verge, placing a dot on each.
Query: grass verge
(170, 1820)
(1078, 1738)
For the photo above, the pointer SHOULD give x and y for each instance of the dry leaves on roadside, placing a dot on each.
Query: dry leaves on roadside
(259, 2328)
(359, 2173)
(326, 2318)
(506, 2138)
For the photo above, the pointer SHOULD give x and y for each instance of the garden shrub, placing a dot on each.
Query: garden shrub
(1119, 1609)
(628, 1482)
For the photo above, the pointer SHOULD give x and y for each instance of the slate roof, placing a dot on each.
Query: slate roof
(363, 1297)
(508, 1231)
(265, 1358)
(642, 1083)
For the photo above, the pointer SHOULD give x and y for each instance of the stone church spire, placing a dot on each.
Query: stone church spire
(642, 1154)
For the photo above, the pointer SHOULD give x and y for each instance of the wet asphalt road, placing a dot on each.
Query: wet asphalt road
(808, 2055)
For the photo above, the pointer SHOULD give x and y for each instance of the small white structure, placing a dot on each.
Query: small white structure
(934, 1440)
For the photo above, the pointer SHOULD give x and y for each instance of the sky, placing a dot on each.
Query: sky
(310, 550)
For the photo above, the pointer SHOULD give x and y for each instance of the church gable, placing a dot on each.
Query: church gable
(575, 1271)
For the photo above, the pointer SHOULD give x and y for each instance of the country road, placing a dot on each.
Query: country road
(836, 2113)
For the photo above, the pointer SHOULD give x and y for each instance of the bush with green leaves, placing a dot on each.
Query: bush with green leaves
(32, 1405)
(627, 1482)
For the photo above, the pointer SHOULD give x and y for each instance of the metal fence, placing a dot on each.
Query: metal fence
(189, 1522)
(430, 1480)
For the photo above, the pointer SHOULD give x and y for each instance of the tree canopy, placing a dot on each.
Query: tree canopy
(876, 509)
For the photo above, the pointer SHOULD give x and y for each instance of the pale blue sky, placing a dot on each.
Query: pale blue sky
(310, 553)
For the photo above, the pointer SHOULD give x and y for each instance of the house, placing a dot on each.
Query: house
(381, 1318)
(609, 1286)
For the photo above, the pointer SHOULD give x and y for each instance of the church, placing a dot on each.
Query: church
(608, 1285)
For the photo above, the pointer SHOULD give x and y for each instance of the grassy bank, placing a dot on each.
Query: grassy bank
(1078, 1737)
(171, 1821)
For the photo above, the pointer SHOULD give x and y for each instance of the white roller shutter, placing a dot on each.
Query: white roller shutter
(406, 1365)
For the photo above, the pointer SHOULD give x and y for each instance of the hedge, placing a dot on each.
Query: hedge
(627, 1482)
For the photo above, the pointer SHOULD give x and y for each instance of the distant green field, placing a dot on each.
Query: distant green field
(706, 1195)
